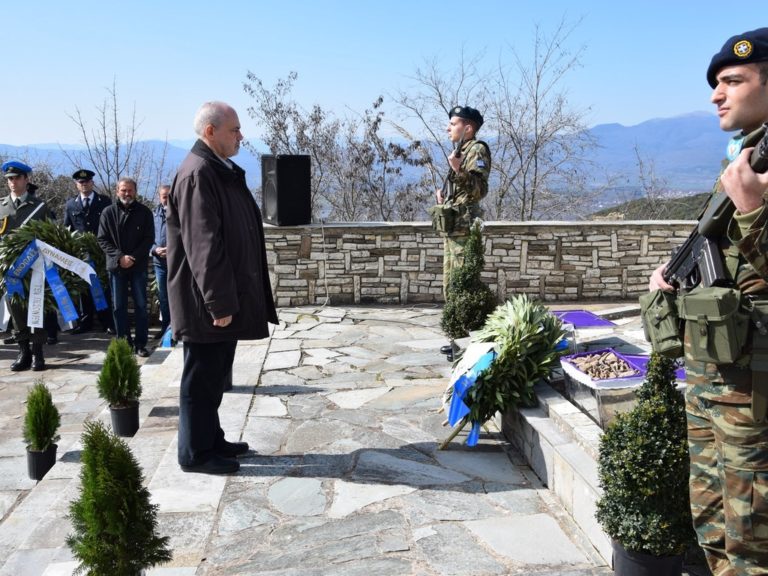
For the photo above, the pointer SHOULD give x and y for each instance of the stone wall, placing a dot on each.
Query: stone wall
(401, 263)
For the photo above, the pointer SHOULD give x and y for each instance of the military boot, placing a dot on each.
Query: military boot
(38, 361)
(24, 359)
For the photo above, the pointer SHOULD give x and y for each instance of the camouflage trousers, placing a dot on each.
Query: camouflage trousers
(728, 484)
(453, 256)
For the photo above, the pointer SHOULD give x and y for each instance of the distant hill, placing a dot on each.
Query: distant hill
(55, 157)
(683, 151)
(680, 208)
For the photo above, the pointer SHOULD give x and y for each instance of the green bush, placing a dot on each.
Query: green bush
(119, 381)
(643, 469)
(114, 522)
(468, 300)
(42, 419)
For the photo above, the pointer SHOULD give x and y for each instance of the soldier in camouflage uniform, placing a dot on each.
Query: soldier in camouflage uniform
(466, 184)
(727, 434)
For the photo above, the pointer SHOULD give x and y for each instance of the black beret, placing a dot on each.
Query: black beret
(467, 113)
(83, 174)
(740, 49)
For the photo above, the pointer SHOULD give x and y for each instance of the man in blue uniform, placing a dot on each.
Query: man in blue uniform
(82, 213)
(17, 209)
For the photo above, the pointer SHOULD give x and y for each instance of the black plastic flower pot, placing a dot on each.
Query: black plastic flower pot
(40, 461)
(627, 563)
(125, 419)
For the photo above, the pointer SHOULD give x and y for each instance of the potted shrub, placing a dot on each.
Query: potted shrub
(468, 300)
(41, 425)
(119, 383)
(643, 470)
(114, 523)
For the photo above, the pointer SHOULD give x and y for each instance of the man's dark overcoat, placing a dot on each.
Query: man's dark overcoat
(217, 262)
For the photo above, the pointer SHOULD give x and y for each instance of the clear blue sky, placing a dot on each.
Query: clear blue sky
(642, 60)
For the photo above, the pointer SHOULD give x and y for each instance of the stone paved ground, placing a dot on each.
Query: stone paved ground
(340, 406)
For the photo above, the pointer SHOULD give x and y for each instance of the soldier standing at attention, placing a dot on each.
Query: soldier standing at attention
(16, 209)
(466, 184)
(725, 397)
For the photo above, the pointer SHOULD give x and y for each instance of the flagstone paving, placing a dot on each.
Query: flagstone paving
(345, 478)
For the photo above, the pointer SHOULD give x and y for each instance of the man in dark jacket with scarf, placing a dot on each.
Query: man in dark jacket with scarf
(126, 233)
(218, 283)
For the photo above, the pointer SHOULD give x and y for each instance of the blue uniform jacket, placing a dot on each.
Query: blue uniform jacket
(77, 218)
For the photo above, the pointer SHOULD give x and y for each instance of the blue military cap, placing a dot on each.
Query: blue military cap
(743, 48)
(15, 167)
(467, 113)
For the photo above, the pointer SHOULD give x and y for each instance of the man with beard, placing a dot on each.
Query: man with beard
(126, 233)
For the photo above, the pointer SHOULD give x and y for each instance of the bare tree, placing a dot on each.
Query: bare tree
(357, 175)
(543, 142)
(539, 143)
(428, 102)
(290, 130)
(53, 189)
(113, 149)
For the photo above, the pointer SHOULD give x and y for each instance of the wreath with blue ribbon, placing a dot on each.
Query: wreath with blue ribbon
(21, 247)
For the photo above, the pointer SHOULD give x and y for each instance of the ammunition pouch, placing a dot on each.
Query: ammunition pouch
(759, 361)
(449, 219)
(661, 325)
(716, 324)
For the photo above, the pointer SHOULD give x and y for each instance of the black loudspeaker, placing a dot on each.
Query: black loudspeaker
(286, 185)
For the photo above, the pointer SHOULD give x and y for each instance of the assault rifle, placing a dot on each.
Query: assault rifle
(698, 260)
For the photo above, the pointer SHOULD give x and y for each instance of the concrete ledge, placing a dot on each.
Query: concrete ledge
(560, 444)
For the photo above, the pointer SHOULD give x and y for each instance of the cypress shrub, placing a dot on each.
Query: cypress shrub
(114, 522)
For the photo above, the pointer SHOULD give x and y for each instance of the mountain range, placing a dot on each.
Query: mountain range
(683, 152)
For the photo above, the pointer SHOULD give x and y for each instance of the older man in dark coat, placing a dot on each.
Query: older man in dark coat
(218, 283)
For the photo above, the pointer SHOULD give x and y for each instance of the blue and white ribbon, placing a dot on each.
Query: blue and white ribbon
(42, 258)
(458, 409)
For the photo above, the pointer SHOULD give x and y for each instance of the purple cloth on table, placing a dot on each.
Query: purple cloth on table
(642, 362)
(581, 318)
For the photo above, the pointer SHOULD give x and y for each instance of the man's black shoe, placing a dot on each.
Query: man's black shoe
(10, 340)
(143, 352)
(80, 329)
(51, 340)
(446, 349)
(110, 331)
(232, 449)
(214, 465)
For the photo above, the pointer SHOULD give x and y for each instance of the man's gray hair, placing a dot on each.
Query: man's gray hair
(210, 113)
(129, 180)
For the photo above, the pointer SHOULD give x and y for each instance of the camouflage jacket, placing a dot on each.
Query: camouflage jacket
(747, 255)
(470, 184)
(745, 251)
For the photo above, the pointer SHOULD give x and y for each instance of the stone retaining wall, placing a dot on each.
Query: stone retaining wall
(401, 263)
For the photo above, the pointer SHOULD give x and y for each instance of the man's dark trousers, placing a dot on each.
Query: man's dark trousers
(202, 388)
